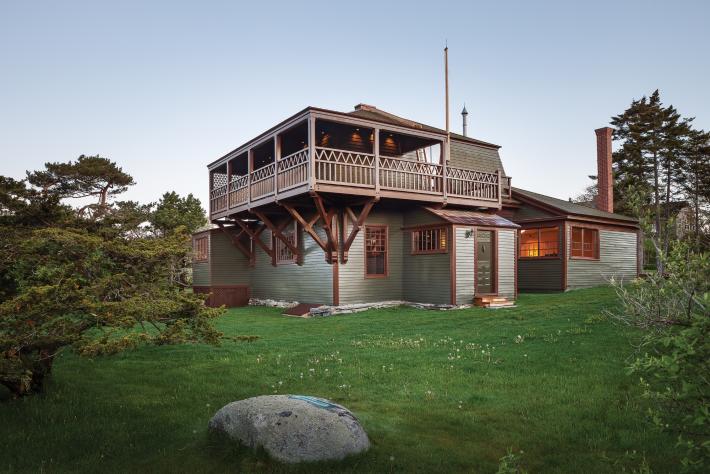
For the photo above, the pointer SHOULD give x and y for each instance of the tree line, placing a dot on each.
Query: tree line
(82, 270)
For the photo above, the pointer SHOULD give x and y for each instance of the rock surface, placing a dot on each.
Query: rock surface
(293, 428)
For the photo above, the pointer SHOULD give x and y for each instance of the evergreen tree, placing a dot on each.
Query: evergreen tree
(173, 211)
(695, 182)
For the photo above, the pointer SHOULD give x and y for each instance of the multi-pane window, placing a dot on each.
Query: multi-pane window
(200, 248)
(283, 253)
(375, 251)
(585, 243)
(431, 240)
(541, 242)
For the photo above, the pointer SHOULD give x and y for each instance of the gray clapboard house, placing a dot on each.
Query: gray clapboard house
(340, 208)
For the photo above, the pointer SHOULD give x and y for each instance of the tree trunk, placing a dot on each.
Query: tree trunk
(657, 199)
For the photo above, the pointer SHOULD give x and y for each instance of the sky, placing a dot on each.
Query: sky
(164, 88)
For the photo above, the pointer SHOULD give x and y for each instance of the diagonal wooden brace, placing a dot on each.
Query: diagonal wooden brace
(358, 222)
(278, 231)
(235, 240)
(307, 225)
(254, 235)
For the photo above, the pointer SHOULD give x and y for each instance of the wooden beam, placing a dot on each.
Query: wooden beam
(235, 240)
(358, 222)
(254, 235)
(277, 231)
(307, 225)
(327, 219)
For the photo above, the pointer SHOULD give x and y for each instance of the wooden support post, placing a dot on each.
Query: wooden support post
(444, 173)
(500, 190)
(277, 157)
(376, 150)
(327, 217)
(312, 150)
(358, 222)
(250, 168)
(229, 183)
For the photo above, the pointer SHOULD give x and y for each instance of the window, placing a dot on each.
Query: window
(375, 251)
(585, 243)
(429, 241)
(283, 253)
(199, 246)
(537, 243)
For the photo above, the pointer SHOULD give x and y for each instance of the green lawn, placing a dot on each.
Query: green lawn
(437, 391)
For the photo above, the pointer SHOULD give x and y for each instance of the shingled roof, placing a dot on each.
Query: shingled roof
(566, 207)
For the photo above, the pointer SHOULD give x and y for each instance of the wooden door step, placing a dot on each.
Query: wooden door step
(301, 310)
(492, 302)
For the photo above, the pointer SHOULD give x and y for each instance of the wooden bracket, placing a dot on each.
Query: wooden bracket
(307, 225)
(277, 232)
(358, 222)
(327, 217)
(235, 240)
(254, 235)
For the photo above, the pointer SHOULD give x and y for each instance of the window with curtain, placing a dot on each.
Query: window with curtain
(585, 243)
(375, 251)
(540, 242)
(431, 240)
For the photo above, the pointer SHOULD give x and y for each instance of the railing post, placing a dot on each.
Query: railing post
(211, 186)
(500, 189)
(376, 151)
(444, 173)
(277, 157)
(250, 168)
(229, 183)
(312, 150)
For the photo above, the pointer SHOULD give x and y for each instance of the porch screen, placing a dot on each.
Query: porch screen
(537, 243)
(375, 251)
(429, 240)
(585, 243)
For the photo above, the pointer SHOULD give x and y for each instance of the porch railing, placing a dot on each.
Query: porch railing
(356, 169)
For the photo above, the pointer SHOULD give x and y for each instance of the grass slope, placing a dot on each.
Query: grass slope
(436, 391)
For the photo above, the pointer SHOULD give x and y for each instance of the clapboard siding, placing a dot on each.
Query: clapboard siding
(465, 255)
(506, 263)
(540, 274)
(426, 278)
(474, 157)
(617, 258)
(311, 282)
(354, 287)
(201, 274)
(228, 266)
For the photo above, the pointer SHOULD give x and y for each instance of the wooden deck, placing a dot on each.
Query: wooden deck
(258, 174)
(347, 172)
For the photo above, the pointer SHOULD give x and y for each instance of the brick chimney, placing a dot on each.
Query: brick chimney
(605, 179)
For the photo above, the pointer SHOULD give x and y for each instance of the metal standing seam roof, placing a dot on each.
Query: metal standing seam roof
(475, 218)
(571, 207)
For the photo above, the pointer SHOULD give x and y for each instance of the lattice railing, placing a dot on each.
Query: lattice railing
(341, 166)
(473, 184)
(238, 190)
(262, 181)
(218, 199)
(409, 175)
(293, 170)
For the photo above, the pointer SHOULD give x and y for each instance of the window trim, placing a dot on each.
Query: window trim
(546, 257)
(387, 251)
(195, 257)
(584, 229)
(440, 228)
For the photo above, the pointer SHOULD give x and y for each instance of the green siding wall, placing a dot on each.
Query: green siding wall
(354, 287)
(617, 258)
(540, 275)
(427, 278)
(311, 282)
(506, 263)
(474, 157)
(465, 265)
(201, 274)
(228, 266)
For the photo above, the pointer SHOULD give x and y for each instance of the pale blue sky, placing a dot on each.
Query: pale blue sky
(164, 88)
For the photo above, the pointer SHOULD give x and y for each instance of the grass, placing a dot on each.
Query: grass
(436, 392)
